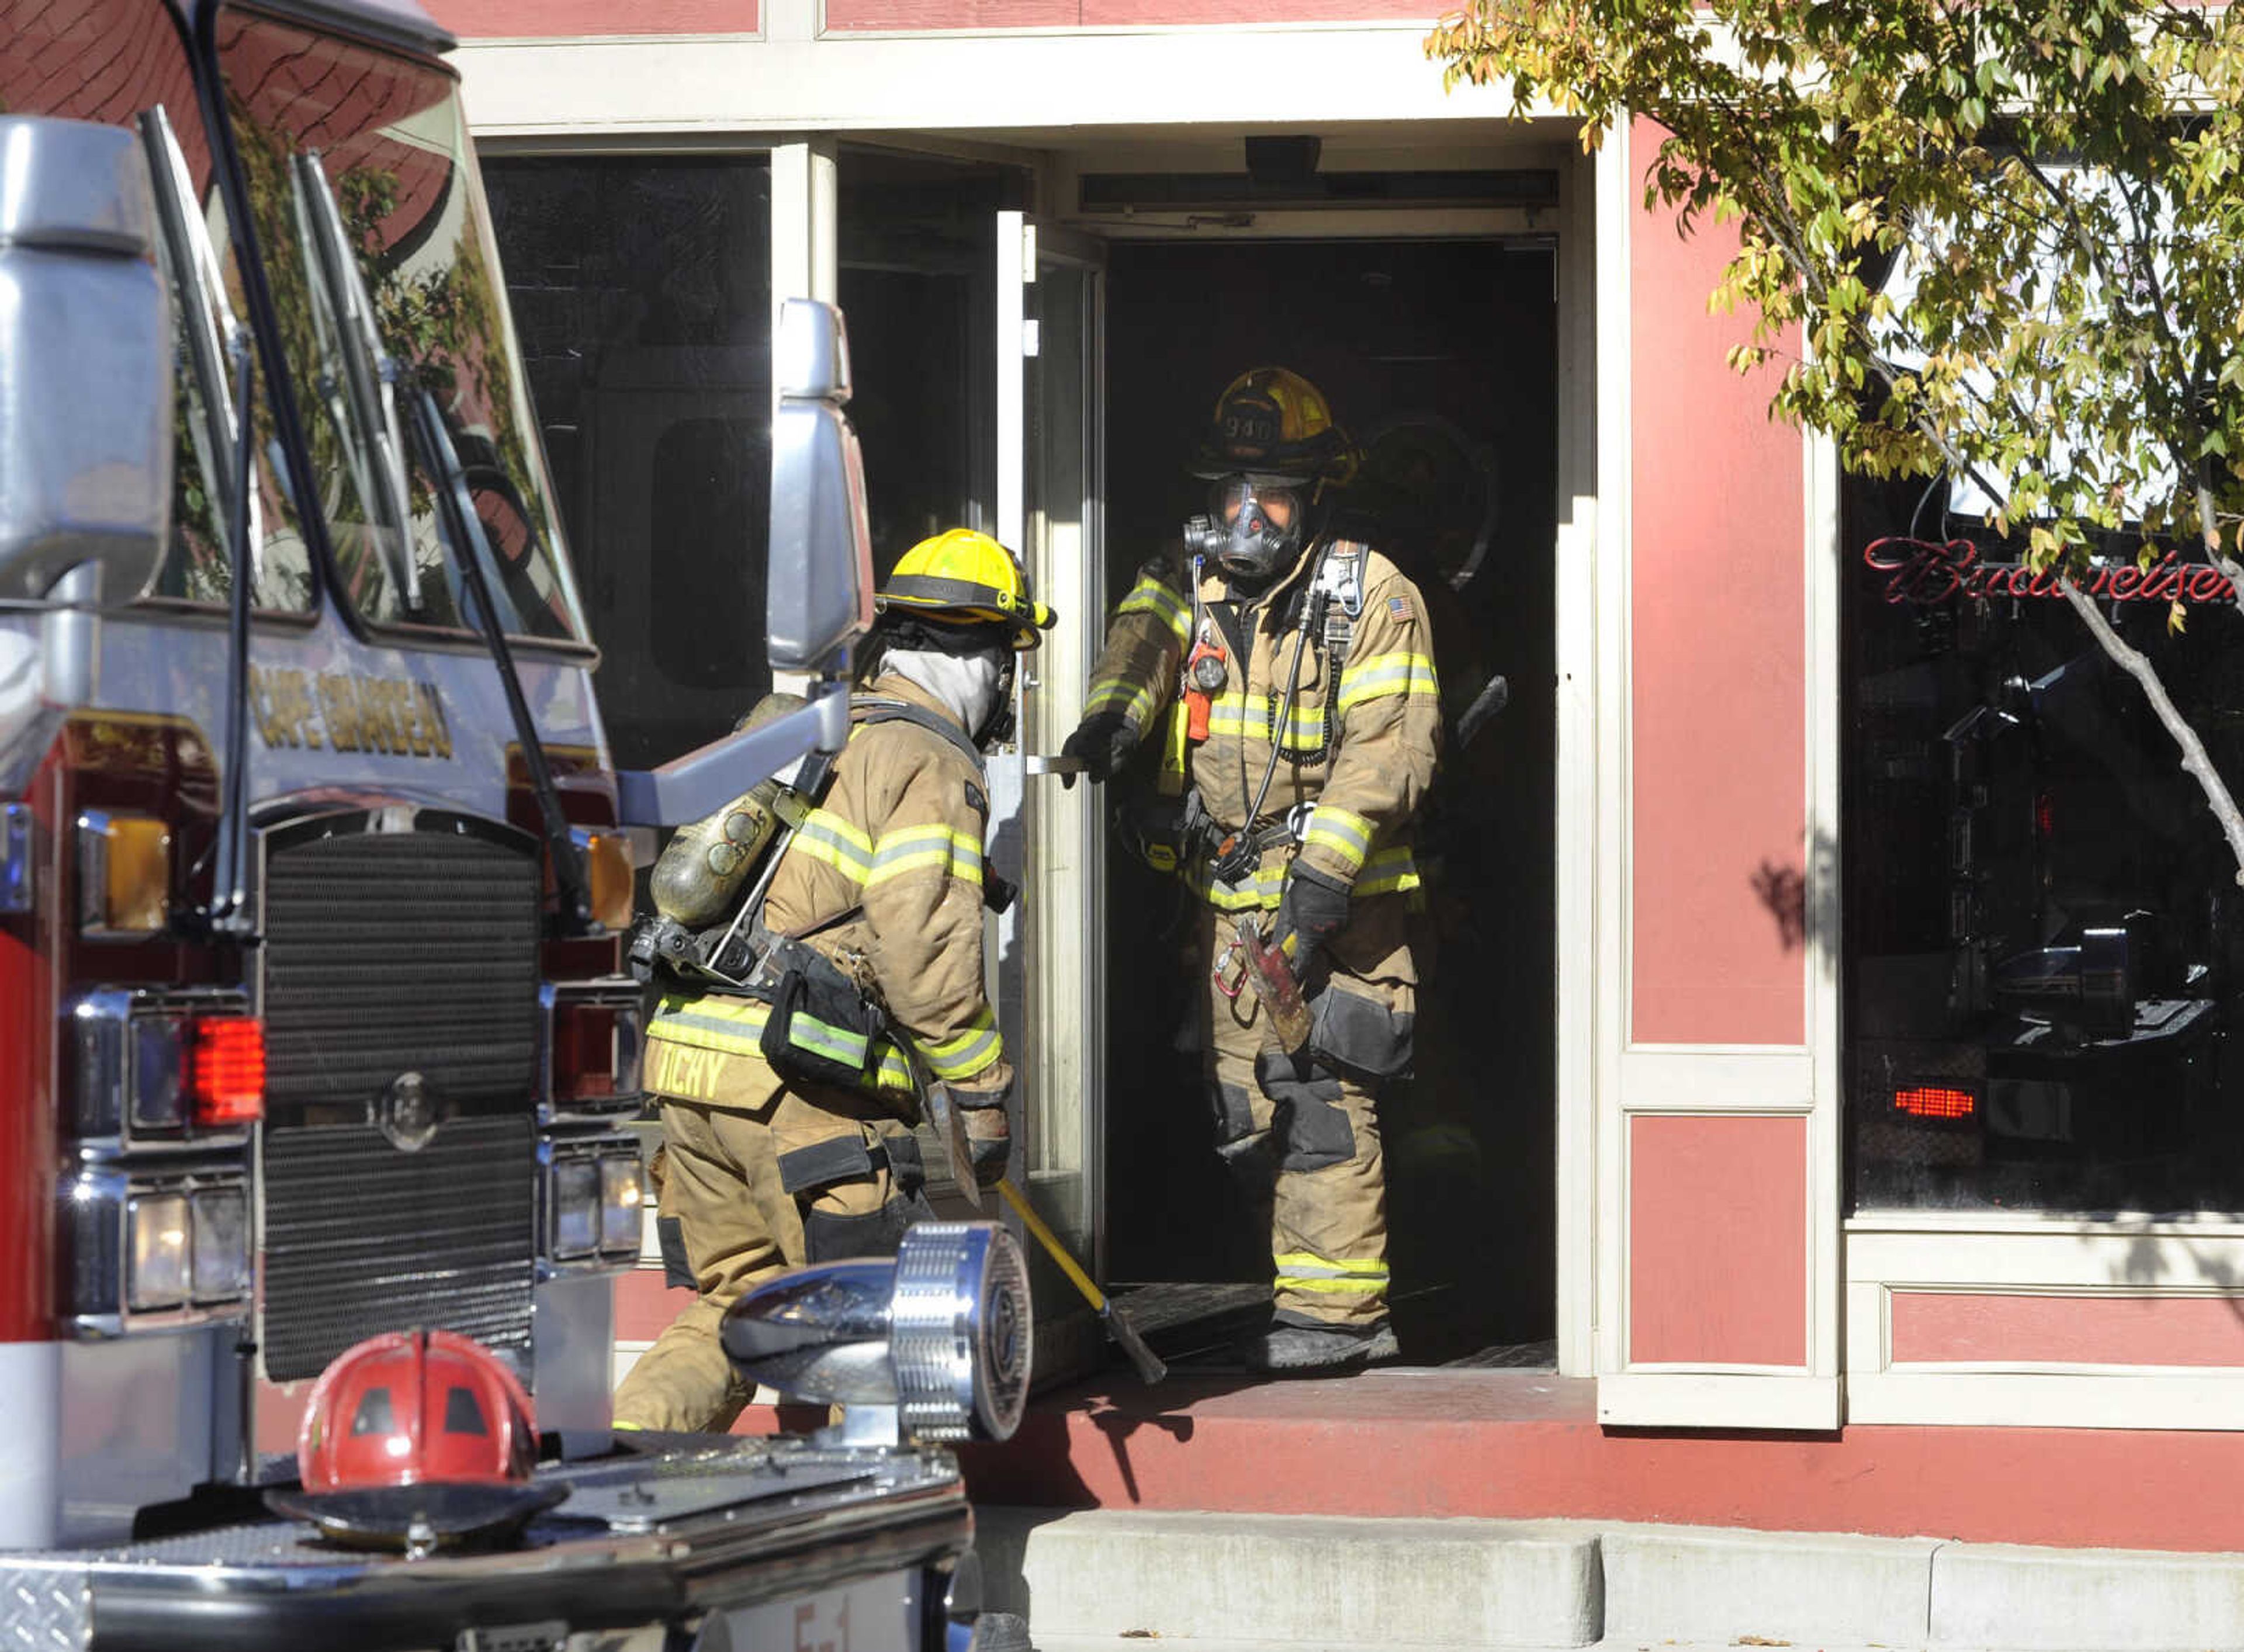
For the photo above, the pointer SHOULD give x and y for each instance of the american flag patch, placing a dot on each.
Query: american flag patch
(1399, 606)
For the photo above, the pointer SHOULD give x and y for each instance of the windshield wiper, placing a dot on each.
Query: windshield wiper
(369, 372)
(464, 534)
(219, 350)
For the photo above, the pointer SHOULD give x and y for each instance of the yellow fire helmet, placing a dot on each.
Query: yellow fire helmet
(964, 577)
(1271, 422)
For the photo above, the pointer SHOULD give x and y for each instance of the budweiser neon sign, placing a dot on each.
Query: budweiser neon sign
(1928, 571)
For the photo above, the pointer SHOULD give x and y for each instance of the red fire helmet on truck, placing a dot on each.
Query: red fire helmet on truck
(414, 1439)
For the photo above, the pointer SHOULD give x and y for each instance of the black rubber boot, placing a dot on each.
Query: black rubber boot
(1319, 1351)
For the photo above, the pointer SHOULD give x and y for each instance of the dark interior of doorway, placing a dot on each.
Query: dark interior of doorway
(1441, 357)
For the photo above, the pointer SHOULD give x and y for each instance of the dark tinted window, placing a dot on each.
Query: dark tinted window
(2045, 950)
(642, 290)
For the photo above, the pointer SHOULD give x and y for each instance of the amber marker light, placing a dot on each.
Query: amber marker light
(608, 877)
(125, 874)
(229, 1069)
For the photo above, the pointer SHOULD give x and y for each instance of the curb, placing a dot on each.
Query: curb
(1283, 1582)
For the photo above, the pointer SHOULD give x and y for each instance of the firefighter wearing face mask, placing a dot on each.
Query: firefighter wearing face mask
(786, 1109)
(1289, 677)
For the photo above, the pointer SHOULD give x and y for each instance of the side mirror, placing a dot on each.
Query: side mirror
(85, 360)
(820, 595)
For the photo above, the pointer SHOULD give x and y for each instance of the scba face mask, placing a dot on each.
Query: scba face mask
(1259, 520)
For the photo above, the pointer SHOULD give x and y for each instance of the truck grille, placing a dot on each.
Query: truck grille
(389, 952)
(386, 952)
(361, 1237)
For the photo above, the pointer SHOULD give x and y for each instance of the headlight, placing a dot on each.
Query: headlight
(594, 1198)
(943, 1333)
(623, 1194)
(157, 1069)
(220, 1250)
(153, 1255)
(575, 1209)
(157, 1257)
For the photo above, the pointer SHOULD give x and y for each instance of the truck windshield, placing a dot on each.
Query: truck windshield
(385, 134)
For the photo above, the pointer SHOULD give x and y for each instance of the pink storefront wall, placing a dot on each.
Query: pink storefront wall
(1717, 1241)
(1718, 736)
(1999, 1328)
(569, 19)
(907, 15)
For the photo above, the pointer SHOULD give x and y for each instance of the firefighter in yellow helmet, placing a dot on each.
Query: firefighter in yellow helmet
(1287, 675)
(787, 1107)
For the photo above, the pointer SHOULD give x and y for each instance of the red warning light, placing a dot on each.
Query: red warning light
(1935, 1101)
(2045, 816)
(229, 1069)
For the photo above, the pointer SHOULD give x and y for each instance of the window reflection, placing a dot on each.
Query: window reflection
(642, 289)
(2043, 923)
(385, 136)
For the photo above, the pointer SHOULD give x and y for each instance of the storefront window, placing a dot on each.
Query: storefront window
(641, 290)
(918, 256)
(2044, 931)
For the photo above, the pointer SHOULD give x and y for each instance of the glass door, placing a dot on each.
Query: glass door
(1050, 288)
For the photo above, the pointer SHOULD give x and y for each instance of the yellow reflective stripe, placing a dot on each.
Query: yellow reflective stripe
(894, 1072)
(1132, 700)
(836, 1043)
(969, 1053)
(935, 847)
(711, 1024)
(1347, 836)
(1305, 1270)
(1176, 746)
(1388, 871)
(1299, 1264)
(1261, 891)
(1233, 716)
(1152, 596)
(829, 838)
(1383, 675)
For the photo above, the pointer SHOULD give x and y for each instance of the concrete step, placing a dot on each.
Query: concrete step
(1297, 1580)
(1111, 1580)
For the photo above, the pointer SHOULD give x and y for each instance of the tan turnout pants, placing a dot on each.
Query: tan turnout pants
(806, 1174)
(1328, 1188)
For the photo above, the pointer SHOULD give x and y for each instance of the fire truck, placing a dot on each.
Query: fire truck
(314, 873)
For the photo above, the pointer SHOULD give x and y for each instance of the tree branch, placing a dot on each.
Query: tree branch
(2194, 762)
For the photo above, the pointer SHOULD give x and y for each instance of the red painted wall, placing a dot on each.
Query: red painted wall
(1931, 1325)
(1526, 1446)
(560, 19)
(1719, 662)
(844, 15)
(1718, 1240)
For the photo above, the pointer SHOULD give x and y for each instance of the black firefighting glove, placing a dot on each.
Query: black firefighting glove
(1311, 910)
(989, 1133)
(1103, 740)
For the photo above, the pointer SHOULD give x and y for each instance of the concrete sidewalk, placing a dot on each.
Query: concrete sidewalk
(1093, 1578)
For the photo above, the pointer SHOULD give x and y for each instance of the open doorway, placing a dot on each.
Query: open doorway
(1441, 357)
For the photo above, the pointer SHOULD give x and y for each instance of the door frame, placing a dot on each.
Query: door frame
(1591, 695)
